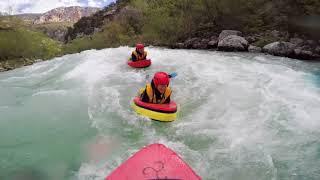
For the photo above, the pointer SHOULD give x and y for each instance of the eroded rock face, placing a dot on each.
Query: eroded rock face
(65, 14)
(233, 43)
(58, 34)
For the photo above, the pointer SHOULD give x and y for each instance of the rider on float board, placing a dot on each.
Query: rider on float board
(139, 53)
(158, 91)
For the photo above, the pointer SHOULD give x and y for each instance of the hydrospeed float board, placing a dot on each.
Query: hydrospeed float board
(155, 161)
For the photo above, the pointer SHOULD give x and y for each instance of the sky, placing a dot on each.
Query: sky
(41, 6)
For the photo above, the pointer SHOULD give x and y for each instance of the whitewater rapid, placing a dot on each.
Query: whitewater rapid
(241, 116)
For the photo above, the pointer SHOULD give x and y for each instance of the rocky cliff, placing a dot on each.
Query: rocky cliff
(65, 14)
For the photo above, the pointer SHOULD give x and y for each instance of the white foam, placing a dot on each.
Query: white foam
(238, 113)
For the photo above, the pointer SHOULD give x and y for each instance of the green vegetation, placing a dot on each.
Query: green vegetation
(18, 42)
(21, 43)
(55, 25)
(160, 22)
(165, 22)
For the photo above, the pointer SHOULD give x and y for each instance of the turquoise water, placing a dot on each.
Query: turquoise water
(242, 116)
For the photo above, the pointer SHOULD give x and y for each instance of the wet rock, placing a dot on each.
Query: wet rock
(190, 42)
(279, 48)
(203, 44)
(251, 39)
(300, 53)
(226, 33)
(178, 46)
(317, 50)
(213, 43)
(312, 43)
(254, 49)
(233, 43)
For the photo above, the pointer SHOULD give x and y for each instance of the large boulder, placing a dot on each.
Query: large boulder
(233, 43)
(226, 33)
(279, 48)
(254, 49)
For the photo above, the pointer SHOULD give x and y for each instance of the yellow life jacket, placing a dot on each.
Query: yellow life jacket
(152, 96)
(140, 57)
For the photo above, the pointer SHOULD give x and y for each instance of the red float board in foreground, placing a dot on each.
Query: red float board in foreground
(155, 161)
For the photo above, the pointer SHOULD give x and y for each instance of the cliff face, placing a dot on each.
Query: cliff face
(65, 14)
(91, 24)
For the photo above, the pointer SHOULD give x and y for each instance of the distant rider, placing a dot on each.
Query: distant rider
(139, 53)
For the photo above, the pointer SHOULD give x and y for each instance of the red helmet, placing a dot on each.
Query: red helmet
(161, 78)
(139, 46)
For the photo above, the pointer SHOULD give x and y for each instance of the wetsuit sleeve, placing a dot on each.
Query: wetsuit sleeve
(144, 96)
(133, 57)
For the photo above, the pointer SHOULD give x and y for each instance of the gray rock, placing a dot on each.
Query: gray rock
(317, 50)
(80, 35)
(296, 41)
(179, 45)
(233, 43)
(58, 34)
(254, 49)
(312, 43)
(279, 48)
(65, 14)
(275, 33)
(299, 53)
(203, 44)
(110, 13)
(213, 38)
(213, 43)
(190, 42)
(97, 30)
(28, 62)
(251, 39)
(1, 68)
(226, 33)
(7, 66)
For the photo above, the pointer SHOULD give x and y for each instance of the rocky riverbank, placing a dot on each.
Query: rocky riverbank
(272, 42)
(228, 40)
(11, 64)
